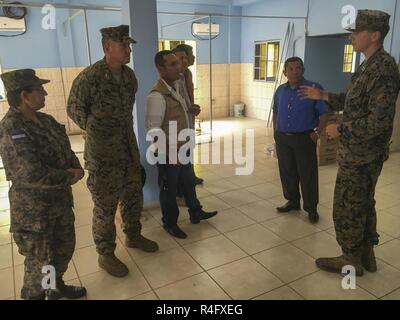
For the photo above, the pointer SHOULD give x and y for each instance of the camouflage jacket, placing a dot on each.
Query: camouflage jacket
(103, 108)
(35, 160)
(368, 107)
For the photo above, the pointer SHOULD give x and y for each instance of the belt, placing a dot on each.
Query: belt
(297, 133)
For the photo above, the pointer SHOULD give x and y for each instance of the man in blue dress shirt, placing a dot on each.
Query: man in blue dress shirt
(297, 126)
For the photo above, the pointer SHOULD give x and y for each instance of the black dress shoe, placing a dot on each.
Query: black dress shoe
(202, 215)
(313, 217)
(176, 232)
(64, 291)
(198, 181)
(289, 206)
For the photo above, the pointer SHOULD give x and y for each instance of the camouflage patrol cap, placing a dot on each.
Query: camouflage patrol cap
(21, 79)
(186, 47)
(118, 34)
(371, 20)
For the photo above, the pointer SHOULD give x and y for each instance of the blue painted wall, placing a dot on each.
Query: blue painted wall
(323, 57)
(326, 18)
(55, 48)
(272, 28)
(41, 46)
(60, 47)
(324, 63)
(67, 47)
(227, 38)
(96, 21)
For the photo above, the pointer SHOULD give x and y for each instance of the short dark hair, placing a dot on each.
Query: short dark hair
(103, 42)
(159, 58)
(179, 49)
(384, 33)
(294, 59)
(14, 97)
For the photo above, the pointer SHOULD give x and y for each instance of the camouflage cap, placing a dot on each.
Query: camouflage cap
(118, 34)
(20, 79)
(371, 20)
(188, 48)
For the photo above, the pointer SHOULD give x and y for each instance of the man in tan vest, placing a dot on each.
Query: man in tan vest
(166, 106)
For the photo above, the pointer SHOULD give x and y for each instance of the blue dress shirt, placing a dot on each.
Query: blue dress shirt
(294, 114)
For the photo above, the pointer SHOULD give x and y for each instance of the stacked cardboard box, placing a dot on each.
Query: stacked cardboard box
(327, 148)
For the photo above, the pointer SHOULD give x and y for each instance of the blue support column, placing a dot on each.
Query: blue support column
(142, 18)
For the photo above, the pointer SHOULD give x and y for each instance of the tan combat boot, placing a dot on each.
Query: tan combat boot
(368, 259)
(141, 243)
(113, 265)
(336, 264)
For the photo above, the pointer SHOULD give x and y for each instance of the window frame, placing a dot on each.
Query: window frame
(3, 92)
(276, 60)
(349, 64)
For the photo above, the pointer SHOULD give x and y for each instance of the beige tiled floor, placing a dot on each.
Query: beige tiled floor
(248, 251)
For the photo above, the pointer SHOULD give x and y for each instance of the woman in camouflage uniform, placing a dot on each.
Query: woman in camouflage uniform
(39, 162)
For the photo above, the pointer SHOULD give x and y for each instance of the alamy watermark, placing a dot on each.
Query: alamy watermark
(165, 150)
(350, 15)
(349, 281)
(49, 20)
(49, 280)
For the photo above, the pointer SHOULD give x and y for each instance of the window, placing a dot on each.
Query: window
(171, 44)
(266, 61)
(2, 90)
(349, 60)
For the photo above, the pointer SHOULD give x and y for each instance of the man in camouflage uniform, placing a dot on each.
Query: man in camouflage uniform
(101, 103)
(39, 162)
(186, 71)
(368, 114)
(188, 79)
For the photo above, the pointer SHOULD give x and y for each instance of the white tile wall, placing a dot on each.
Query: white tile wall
(58, 91)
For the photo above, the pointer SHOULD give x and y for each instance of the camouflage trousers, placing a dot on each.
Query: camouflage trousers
(54, 246)
(110, 188)
(354, 211)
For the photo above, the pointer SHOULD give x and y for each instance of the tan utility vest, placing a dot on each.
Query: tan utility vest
(174, 110)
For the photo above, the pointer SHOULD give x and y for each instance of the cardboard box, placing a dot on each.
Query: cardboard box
(327, 150)
(327, 159)
(324, 141)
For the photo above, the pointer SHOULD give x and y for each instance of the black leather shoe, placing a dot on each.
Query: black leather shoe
(313, 217)
(64, 291)
(289, 206)
(176, 232)
(202, 215)
(198, 181)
